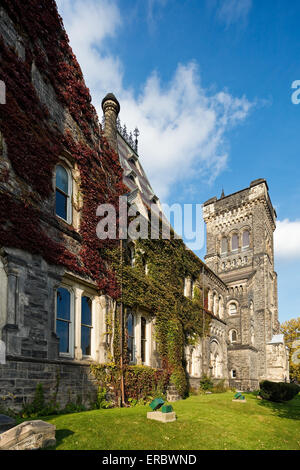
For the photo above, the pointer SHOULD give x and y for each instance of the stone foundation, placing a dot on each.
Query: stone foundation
(68, 381)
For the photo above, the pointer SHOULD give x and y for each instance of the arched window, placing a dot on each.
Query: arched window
(64, 320)
(233, 336)
(130, 335)
(63, 193)
(234, 242)
(232, 308)
(246, 239)
(224, 245)
(131, 254)
(143, 339)
(86, 325)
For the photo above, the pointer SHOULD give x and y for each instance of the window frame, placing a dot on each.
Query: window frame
(232, 302)
(70, 354)
(245, 247)
(91, 326)
(234, 250)
(68, 195)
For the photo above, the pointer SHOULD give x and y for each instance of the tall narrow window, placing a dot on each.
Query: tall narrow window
(143, 339)
(63, 193)
(233, 336)
(234, 242)
(232, 309)
(63, 320)
(246, 239)
(224, 245)
(86, 325)
(130, 335)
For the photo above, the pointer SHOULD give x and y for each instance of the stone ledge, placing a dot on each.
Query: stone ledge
(162, 417)
(28, 435)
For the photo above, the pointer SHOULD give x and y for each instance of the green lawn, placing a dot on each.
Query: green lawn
(203, 422)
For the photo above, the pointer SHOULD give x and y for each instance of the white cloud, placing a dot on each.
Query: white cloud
(182, 126)
(287, 239)
(233, 11)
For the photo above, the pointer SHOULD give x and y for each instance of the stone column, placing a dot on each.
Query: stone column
(77, 338)
(111, 109)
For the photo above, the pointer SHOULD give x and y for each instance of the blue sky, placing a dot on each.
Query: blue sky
(208, 83)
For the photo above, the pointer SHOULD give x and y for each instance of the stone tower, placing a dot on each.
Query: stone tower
(240, 250)
(111, 109)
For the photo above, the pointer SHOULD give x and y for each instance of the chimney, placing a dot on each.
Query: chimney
(111, 109)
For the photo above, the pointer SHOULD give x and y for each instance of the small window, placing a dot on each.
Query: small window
(224, 245)
(130, 335)
(86, 325)
(64, 320)
(233, 336)
(232, 309)
(246, 239)
(63, 193)
(143, 339)
(234, 242)
(233, 373)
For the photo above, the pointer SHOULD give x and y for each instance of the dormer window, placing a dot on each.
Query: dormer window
(63, 193)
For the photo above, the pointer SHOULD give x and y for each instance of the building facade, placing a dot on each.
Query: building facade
(58, 292)
(240, 250)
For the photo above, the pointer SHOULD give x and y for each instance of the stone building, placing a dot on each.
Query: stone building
(240, 250)
(57, 291)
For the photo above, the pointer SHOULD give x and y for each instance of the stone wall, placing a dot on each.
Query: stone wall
(68, 381)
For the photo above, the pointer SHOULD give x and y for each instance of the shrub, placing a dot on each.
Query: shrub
(278, 391)
(219, 387)
(206, 383)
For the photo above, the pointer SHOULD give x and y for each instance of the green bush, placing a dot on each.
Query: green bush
(206, 383)
(278, 391)
(219, 387)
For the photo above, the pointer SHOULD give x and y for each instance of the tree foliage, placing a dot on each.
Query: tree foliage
(292, 340)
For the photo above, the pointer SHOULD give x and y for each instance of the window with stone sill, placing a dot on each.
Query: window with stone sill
(233, 336)
(246, 239)
(65, 321)
(233, 373)
(232, 308)
(86, 325)
(224, 245)
(63, 193)
(234, 242)
(130, 337)
(143, 339)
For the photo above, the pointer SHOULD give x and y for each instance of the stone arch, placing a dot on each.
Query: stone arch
(232, 307)
(216, 359)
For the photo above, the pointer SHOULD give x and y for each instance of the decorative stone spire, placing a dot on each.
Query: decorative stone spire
(111, 109)
(223, 194)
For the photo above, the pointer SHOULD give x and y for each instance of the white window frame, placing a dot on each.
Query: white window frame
(84, 294)
(72, 320)
(69, 195)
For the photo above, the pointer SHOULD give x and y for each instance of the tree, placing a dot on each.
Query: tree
(291, 331)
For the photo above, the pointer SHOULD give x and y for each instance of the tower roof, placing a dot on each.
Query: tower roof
(111, 97)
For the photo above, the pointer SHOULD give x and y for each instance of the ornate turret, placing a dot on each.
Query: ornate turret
(111, 109)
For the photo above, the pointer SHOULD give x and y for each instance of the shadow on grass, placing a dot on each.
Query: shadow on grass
(289, 409)
(60, 435)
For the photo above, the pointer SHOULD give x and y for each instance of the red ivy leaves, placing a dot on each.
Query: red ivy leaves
(34, 144)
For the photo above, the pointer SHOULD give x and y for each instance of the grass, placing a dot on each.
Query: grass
(203, 422)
